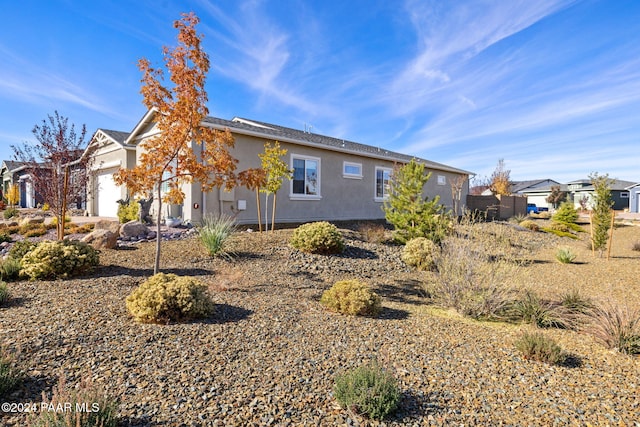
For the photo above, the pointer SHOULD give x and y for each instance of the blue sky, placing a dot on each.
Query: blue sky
(550, 86)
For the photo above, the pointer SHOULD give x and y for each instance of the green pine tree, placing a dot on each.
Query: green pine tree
(601, 214)
(412, 214)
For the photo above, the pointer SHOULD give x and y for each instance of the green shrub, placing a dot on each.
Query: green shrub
(214, 233)
(419, 252)
(351, 297)
(5, 237)
(575, 302)
(530, 308)
(318, 238)
(559, 233)
(11, 212)
(88, 407)
(566, 213)
(128, 212)
(54, 221)
(167, 297)
(4, 293)
(368, 390)
(20, 249)
(10, 268)
(616, 328)
(59, 259)
(536, 346)
(10, 373)
(565, 256)
(530, 225)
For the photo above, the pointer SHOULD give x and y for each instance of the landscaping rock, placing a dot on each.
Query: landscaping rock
(101, 239)
(105, 224)
(32, 220)
(133, 229)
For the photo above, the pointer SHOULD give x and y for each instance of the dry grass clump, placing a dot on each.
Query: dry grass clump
(536, 346)
(616, 327)
(372, 233)
(532, 309)
(530, 225)
(11, 374)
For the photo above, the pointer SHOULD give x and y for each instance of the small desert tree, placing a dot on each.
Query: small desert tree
(276, 171)
(169, 157)
(601, 214)
(254, 179)
(13, 194)
(411, 214)
(457, 184)
(500, 181)
(57, 167)
(556, 196)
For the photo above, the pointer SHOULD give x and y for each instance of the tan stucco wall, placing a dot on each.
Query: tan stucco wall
(109, 161)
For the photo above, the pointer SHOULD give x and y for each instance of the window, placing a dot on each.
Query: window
(383, 183)
(306, 177)
(351, 170)
(442, 180)
(624, 194)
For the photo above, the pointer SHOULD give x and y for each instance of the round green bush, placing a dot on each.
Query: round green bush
(566, 213)
(368, 390)
(530, 225)
(351, 297)
(21, 248)
(168, 297)
(419, 253)
(318, 238)
(58, 259)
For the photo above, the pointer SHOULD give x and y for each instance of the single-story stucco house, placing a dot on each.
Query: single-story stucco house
(333, 179)
(14, 172)
(582, 189)
(634, 197)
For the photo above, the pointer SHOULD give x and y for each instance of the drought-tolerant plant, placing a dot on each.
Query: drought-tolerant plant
(368, 390)
(419, 252)
(530, 308)
(35, 230)
(58, 259)
(518, 218)
(10, 268)
(530, 225)
(537, 346)
(4, 293)
(168, 297)
(351, 297)
(11, 374)
(20, 249)
(575, 302)
(372, 233)
(214, 233)
(566, 213)
(276, 172)
(553, 229)
(128, 212)
(565, 255)
(81, 229)
(5, 237)
(616, 327)
(318, 238)
(13, 194)
(470, 278)
(87, 406)
(410, 212)
(601, 216)
(54, 220)
(10, 212)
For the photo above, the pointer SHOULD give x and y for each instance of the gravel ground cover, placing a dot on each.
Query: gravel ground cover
(270, 353)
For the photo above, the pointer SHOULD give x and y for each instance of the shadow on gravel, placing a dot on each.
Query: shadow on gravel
(416, 406)
(405, 291)
(357, 253)
(393, 314)
(225, 313)
(31, 389)
(142, 421)
(16, 302)
(118, 270)
(572, 361)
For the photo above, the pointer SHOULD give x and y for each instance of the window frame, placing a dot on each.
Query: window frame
(300, 196)
(346, 174)
(385, 196)
(442, 180)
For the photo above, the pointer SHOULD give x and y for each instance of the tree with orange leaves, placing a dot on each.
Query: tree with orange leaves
(169, 157)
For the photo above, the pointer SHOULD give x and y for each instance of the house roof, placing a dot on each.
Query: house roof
(616, 185)
(12, 165)
(270, 131)
(519, 186)
(116, 135)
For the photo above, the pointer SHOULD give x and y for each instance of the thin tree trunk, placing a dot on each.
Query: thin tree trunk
(273, 214)
(156, 266)
(266, 211)
(259, 210)
(613, 218)
(63, 214)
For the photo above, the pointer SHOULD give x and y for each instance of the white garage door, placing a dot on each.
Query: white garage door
(108, 195)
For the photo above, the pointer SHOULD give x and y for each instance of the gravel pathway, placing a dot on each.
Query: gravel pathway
(270, 353)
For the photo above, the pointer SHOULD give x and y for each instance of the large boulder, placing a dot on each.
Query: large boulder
(105, 224)
(134, 229)
(32, 220)
(101, 239)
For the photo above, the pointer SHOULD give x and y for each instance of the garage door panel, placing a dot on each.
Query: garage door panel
(108, 195)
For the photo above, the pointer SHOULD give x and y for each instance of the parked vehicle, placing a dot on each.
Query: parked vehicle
(532, 208)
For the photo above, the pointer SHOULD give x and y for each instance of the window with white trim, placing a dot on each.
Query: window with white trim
(352, 170)
(306, 176)
(442, 180)
(383, 183)
(624, 194)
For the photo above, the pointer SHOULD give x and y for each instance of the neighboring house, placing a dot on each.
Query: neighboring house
(333, 179)
(536, 190)
(634, 197)
(110, 153)
(13, 172)
(583, 189)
